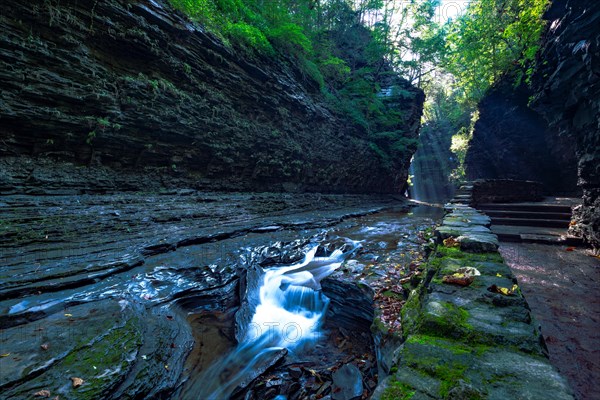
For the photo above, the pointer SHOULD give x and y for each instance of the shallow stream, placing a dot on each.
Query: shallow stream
(270, 312)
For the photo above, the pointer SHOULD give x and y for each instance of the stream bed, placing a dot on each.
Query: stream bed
(262, 305)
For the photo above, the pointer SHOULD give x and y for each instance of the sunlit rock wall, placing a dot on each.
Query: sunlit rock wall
(128, 95)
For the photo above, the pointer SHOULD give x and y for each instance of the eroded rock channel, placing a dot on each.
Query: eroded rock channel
(158, 305)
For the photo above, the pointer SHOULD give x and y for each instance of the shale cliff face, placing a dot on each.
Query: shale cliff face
(129, 95)
(511, 141)
(567, 86)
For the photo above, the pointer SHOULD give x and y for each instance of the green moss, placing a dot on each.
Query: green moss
(454, 347)
(109, 352)
(398, 391)
(456, 253)
(411, 311)
(446, 361)
(445, 320)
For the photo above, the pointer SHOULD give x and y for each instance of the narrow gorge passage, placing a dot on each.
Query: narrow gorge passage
(299, 199)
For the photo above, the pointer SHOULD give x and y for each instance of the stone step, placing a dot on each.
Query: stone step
(462, 201)
(530, 207)
(529, 234)
(551, 239)
(551, 223)
(566, 216)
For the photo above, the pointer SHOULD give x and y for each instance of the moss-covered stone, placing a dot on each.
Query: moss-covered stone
(470, 342)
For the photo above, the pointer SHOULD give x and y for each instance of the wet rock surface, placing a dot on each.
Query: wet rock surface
(470, 229)
(369, 285)
(137, 294)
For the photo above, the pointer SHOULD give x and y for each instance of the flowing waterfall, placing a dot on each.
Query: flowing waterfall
(288, 316)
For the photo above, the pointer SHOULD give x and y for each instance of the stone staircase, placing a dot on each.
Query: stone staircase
(546, 221)
(535, 222)
(463, 194)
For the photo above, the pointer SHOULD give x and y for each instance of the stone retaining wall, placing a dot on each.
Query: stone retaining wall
(471, 341)
(506, 191)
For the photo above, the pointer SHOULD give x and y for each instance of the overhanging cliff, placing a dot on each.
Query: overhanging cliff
(129, 95)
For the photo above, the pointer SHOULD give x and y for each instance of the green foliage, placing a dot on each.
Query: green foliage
(249, 36)
(311, 70)
(344, 47)
(335, 69)
(459, 146)
(492, 38)
(290, 36)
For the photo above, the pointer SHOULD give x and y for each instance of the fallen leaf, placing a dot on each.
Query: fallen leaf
(451, 242)
(5, 355)
(458, 279)
(77, 382)
(570, 249)
(573, 222)
(42, 393)
(502, 290)
(45, 346)
(68, 315)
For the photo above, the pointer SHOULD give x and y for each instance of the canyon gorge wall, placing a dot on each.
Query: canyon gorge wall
(567, 86)
(130, 95)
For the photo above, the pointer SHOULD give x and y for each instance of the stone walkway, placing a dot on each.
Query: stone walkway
(467, 328)
(561, 288)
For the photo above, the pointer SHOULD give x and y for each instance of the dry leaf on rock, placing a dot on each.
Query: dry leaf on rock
(458, 279)
(77, 382)
(44, 346)
(451, 242)
(502, 290)
(42, 393)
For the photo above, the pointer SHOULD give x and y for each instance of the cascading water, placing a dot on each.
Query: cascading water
(288, 316)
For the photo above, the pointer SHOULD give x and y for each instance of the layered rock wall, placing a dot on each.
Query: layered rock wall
(511, 141)
(567, 85)
(103, 95)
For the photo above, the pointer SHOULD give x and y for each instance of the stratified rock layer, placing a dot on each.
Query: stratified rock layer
(127, 95)
(567, 85)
